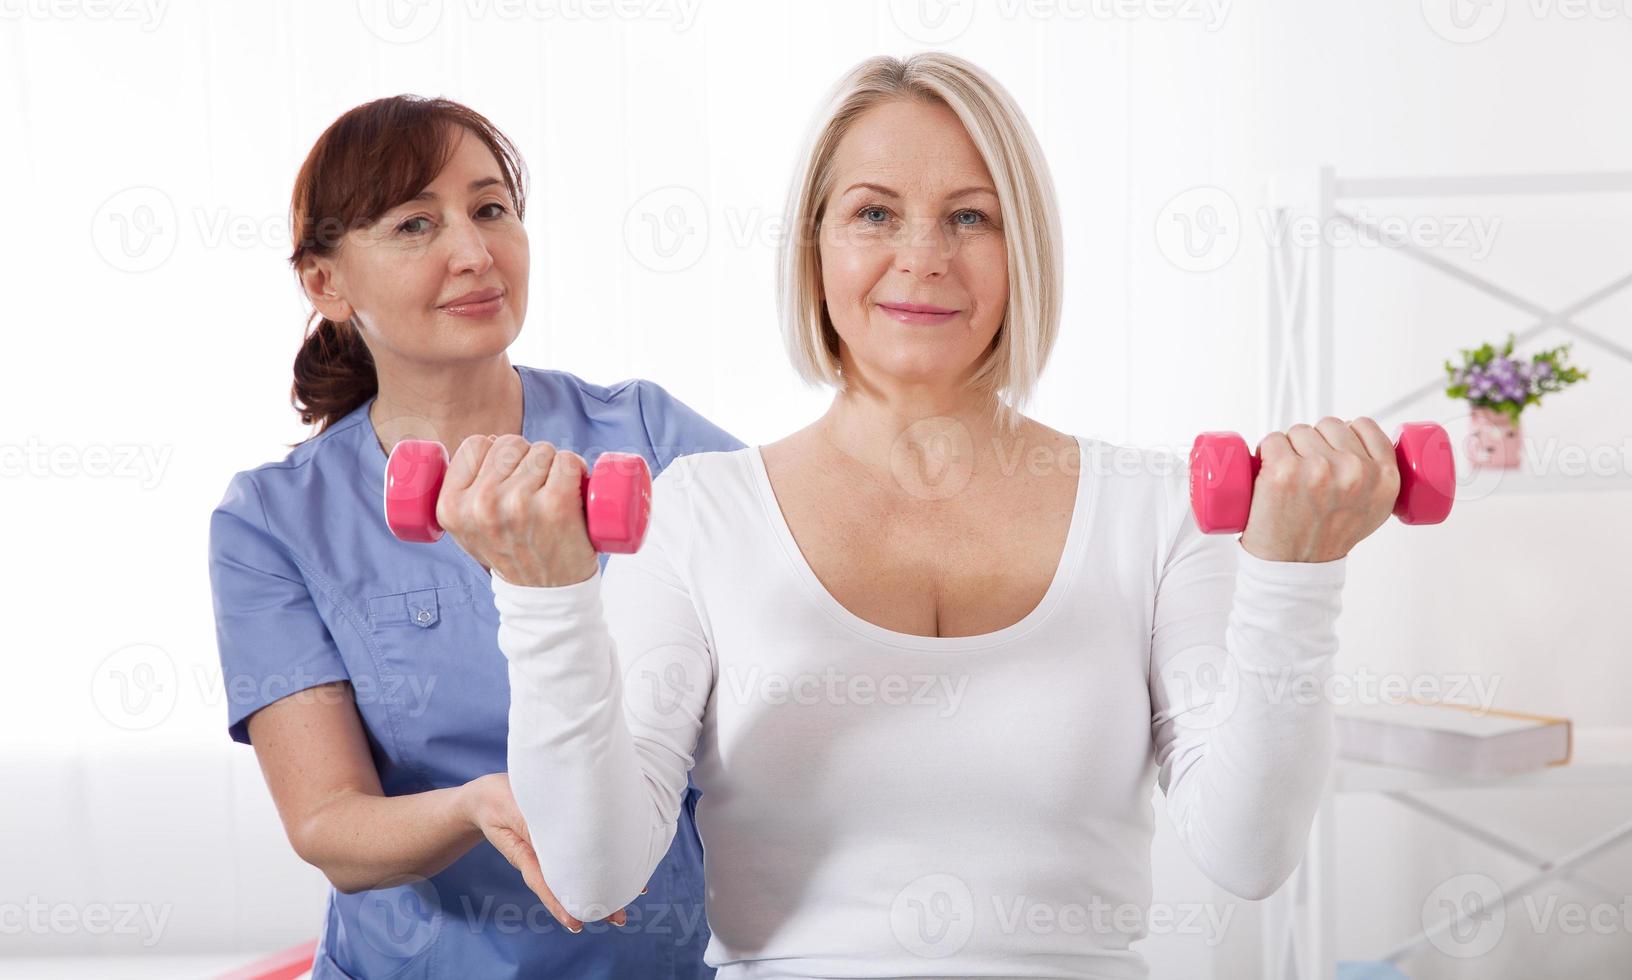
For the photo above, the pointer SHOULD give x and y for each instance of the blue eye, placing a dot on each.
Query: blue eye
(867, 211)
(969, 213)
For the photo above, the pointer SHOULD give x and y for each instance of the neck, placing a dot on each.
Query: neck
(909, 431)
(448, 403)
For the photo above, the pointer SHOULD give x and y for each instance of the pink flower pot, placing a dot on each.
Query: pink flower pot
(1493, 441)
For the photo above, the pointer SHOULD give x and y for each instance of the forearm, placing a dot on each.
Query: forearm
(574, 766)
(360, 841)
(1245, 803)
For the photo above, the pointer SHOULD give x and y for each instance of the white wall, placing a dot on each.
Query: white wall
(201, 113)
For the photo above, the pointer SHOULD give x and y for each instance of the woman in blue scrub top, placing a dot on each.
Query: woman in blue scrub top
(366, 670)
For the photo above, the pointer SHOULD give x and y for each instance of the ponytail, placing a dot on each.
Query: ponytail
(334, 374)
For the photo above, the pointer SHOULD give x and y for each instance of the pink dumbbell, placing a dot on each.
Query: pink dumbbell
(1222, 475)
(617, 495)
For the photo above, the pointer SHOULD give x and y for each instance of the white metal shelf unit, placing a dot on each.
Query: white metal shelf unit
(1302, 294)
(1299, 928)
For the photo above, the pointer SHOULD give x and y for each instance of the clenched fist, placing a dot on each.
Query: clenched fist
(1321, 490)
(517, 508)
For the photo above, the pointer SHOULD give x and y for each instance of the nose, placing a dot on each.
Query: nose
(925, 251)
(467, 249)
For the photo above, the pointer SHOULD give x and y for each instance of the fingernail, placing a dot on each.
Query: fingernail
(575, 931)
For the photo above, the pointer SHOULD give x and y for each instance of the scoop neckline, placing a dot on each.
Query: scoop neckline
(1058, 586)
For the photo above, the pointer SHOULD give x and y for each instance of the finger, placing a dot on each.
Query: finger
(619, 918)
(560, 913)
(1308, 443)
(466, 462)
(1378, 445)
(521, 855)
(1340, 437)
(533, 469)
(1275, 450)
(542, 890)
(523, 858)
(566, 478)
(502, 459)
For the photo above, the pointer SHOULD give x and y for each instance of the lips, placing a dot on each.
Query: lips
(917, 312)
(480, 302)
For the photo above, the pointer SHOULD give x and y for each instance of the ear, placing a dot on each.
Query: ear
(317, 278)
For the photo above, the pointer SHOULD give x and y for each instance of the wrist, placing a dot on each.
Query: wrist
(471, 801)
(1308, 556)
(1291, 571)
(535, 579)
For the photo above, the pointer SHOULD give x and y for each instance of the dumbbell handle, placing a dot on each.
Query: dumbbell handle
(617, 494)
(1222, 477)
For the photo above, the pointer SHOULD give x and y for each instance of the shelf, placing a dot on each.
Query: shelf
(1472, 484)
(1604, 182)
(1599, 757)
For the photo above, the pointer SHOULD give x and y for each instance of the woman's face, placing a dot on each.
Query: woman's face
(914, 268)
(443, 276)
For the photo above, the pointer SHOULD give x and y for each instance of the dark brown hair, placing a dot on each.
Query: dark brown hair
(368, 161)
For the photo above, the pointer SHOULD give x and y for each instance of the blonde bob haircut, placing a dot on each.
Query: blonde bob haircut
(1031, 222)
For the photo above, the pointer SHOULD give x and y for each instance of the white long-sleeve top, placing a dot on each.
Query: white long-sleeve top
(880, 804)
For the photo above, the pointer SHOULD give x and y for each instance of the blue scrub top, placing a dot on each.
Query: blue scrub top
(310, 587)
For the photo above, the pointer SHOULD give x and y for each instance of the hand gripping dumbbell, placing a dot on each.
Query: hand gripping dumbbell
(1222, 474)
(617, 495)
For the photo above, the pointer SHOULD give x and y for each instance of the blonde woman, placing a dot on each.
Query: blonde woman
(924, 657)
